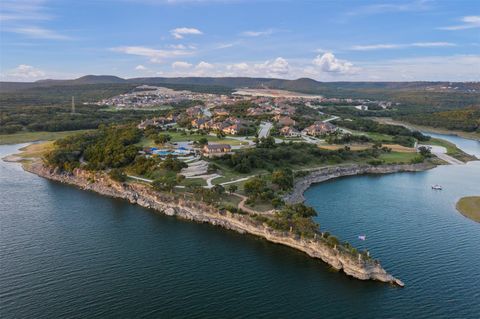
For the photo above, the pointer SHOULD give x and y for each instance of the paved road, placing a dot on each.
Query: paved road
(265, 128)
(333, 118)
(441, 153)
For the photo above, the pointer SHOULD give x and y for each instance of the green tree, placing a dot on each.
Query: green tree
(165, 183)
(162, 138)
(232, 188)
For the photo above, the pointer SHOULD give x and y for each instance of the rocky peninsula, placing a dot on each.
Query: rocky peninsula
(358, 266)
(326, 173)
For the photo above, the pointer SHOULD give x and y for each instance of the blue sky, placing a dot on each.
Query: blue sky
(326, 40)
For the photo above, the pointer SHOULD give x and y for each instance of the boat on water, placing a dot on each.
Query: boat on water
(437, 187)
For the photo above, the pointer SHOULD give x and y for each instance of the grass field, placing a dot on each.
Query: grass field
(398, 157)
(25, 137)
(470, 207)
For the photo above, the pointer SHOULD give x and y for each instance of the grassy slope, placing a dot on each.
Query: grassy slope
(470, 207)
(24, 137)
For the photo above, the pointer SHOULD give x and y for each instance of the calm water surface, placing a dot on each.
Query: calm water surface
(70, 253)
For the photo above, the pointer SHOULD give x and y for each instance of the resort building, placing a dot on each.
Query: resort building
(216, 149)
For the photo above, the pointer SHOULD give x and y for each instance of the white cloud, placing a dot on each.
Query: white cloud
(23, 17)
(155, 55)
(24, 72)
(279, 66)
(257, 33)
(469, 22)
(238, 68)
(387, 46)
(432, 44)
(430, 68)
(140, 68)
(179, 33)
(23, 10)
(375, 47)
(181, 65)
(329, 63)
(39, 33)
(204, 66)
(402, 6)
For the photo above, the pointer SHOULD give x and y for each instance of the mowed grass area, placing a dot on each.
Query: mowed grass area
(398, 157)
(470, 207)
(452, 149)
(179, 137)
(24, 137)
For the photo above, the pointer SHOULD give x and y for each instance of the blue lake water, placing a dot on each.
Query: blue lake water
(471, 147)
(70, 253)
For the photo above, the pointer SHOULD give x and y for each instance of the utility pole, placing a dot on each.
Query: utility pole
(73, 104)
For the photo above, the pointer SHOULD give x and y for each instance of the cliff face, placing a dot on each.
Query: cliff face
(323, 174)
(357, 267)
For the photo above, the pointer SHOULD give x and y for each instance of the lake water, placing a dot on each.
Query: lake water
(70, 253)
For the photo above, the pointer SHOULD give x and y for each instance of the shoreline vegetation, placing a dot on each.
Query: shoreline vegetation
(28, 137)
(468, 135)
(470, 207)
(317, 244)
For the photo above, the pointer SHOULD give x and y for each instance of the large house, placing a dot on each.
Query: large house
(156, 122)
(210, 150)
(232, 129)
(200, 123)
(195, 111)
(289, 131)
(220, 112)
(319, 128)
(285, 120)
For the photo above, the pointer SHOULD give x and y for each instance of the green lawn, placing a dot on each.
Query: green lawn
(24, 137)
(398, 157)
(193, 182)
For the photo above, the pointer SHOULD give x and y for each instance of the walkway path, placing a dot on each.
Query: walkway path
(146, 180)
(242, 206)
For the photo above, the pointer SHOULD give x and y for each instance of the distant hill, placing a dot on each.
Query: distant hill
(304, 85)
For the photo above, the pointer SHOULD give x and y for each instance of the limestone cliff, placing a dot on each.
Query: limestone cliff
(326, 173)
(143, 195)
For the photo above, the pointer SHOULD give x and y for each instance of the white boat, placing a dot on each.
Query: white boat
(437, 187)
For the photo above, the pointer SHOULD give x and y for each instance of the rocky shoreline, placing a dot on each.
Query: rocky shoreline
(355, 266)
(326, 173)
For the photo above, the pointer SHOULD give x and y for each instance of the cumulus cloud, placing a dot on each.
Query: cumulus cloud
(204, 66)
(25, 72)
(329, 63)
(469, 22)
(155, 55)
(181, 65)
(279, 66)
(179, 33)
(140, 68)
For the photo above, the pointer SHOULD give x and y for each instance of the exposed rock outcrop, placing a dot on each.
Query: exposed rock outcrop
(326, 173)
(356, 266)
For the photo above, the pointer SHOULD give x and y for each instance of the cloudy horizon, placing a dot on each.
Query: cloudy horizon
(419, 40)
